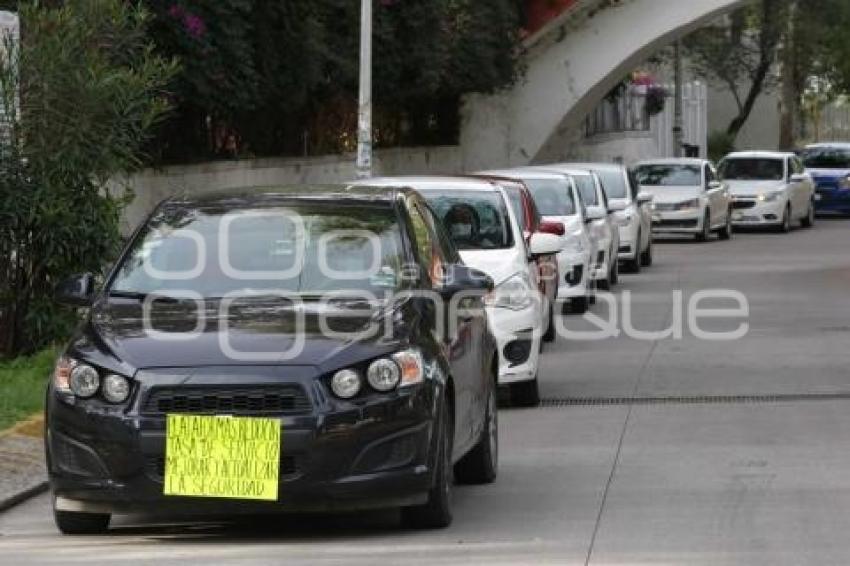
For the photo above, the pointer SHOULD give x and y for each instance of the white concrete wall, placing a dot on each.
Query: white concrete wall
(153, 185)
(570, 67)
(761, 130)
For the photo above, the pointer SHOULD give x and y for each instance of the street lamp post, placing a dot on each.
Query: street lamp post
(364, 115)
(678, 108)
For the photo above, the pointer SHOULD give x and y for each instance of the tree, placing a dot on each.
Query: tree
(281, 77)
(82, 91)
(740, 52)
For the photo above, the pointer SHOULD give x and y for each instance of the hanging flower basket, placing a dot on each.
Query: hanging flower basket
(656, 100)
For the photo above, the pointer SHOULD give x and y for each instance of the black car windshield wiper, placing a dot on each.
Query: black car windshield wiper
(140, 296)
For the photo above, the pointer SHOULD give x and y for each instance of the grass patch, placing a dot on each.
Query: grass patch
(22, 385)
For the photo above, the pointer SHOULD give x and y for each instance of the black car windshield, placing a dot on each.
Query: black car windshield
(827, 158)
(752, 169)
(476, 220)
(553, 197)
(614, 182)
(310, 249)
(587, 188)
(668, 175)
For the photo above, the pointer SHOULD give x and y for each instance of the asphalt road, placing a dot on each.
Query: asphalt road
(734, 453)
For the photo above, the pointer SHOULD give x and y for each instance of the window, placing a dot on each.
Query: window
(587, 189)
(614, 183)
(669, 175)
(426, 246)
(633, 184)
(710, 177)
(304, 249)
(475, 220)
(753, 169)
(826, 157)
(553, 197)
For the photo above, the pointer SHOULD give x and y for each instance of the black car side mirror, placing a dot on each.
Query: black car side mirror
(76, 291)
(462, 278)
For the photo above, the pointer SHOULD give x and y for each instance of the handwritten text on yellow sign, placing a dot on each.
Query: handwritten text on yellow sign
(225, 457)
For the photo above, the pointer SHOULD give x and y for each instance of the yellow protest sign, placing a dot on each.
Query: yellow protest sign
(227, 457)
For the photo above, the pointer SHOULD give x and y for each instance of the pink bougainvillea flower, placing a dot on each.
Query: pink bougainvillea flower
(195, 26)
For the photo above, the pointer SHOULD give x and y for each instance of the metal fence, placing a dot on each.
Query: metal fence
(627, 113)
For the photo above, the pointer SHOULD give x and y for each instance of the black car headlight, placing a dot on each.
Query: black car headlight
(346, 383)
(85, 381)
(116, 388)
(402, 369)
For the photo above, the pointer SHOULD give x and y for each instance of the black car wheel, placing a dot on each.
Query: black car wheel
(809, 220)
(481, 465)
(785, 227)
(646, 258)
(436, 513)
(633, 265)
(71, 523)
(614, 276)
(550, 334)
(726, 232)
(525, 393)
(705, 235)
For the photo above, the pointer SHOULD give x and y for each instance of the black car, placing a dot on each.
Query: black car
(276, 350)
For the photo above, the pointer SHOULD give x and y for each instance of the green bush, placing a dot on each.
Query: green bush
(79, 113)
(720, 144)
(22, 385)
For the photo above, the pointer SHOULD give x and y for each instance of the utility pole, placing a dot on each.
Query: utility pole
(364, 115)
(679, 103)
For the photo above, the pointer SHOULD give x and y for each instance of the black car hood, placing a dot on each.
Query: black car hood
(117, 336)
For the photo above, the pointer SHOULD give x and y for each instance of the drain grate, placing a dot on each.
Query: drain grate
(692, 400)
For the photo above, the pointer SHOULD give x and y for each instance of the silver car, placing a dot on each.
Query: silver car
(688, 197)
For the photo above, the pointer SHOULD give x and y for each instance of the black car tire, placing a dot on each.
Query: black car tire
(633, 265)
(725, 233)
(550, 333)
(436, 513)
(809, 220)
(614, 276)
(705, 235)
(71, 523)
(481, 464)
(526, 393)
(785, 226)
(646, 258)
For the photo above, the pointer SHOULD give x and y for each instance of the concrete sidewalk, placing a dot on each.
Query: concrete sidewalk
(22, 469)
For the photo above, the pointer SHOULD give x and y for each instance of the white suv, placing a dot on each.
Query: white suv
(633, 209)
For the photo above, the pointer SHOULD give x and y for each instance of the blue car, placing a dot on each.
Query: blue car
(829, 166)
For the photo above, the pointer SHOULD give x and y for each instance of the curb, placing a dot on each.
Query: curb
(31, 479)
(23, 495)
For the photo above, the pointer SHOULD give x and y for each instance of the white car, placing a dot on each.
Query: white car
(604, 230)
(769, 189)
(688, 197)
(633, 209)
(477, 215)
(558, 200)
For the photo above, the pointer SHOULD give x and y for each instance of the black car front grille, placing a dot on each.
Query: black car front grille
(256, 400)
(743, 204)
